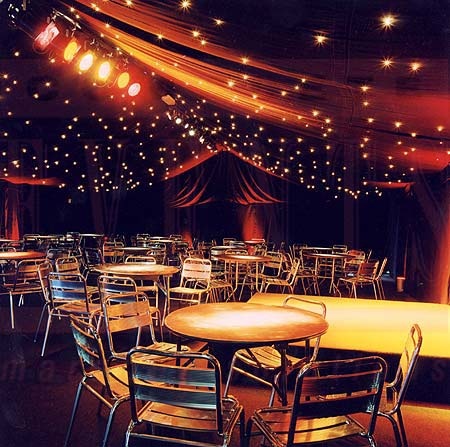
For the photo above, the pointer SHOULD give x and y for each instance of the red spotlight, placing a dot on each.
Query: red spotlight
(86, 61)
(71, 50)
(134, 89)
(45, 37)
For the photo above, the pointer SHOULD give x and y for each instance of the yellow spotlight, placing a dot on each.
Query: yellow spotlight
(71, 50)
(123, 79)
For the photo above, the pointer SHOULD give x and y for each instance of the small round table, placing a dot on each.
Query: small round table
(237, 259)
(142, 271)
(249, 325)
(20, 255)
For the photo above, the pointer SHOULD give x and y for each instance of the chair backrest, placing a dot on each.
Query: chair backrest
(68, 287)
(196, 270)
(228, 240)
(109, 285)
(191, 380)
(176, 237)
(133, 316)
(90, 350)
(68, 264)
(44, 270)
(318, 307)
(407, 364)
(338, 388)
(158, 253)
(274, 266)
(357, 254)
(381, 268)
(92, 256)
(141, 259)
(339, 248)
(292, 272)
(27, 270)
(368, 269)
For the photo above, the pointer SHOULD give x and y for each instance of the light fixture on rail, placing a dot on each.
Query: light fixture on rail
(86, 61)
(71, 50)
(45, 37)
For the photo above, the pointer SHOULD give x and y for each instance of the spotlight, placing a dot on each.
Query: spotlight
(71, 50)
(123, 79)
(134, 89)
(86, 61)
(45, 37)
(104, 70)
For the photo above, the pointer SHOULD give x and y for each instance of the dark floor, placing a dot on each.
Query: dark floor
(36, 394)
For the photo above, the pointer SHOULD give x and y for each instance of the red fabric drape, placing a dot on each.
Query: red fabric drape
(11, 213)
(225, 178)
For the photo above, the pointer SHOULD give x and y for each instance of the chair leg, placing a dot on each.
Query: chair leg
(230, 373)
(398, 435)
(112, 413)
(47, 330)
(39, 324)
(74, 412)
(11, 309)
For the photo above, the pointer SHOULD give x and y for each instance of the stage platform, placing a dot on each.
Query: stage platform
(367, 326)
(378, 326)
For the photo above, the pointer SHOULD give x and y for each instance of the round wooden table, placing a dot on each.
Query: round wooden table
(237, 259)
(137, 270)
(143, 271)
(20, 255)
(135, 250)
(331, 258)
(248, 325)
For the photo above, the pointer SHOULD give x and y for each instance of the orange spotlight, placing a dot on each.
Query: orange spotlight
(134, 89)
(86, 61)
(71, 50)
(104, 70)
(123, 79)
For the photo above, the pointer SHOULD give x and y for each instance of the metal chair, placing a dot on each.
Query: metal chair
(180, 400)
(67, 295)
(107, 384)
(128, 323)
(289, 281)
(327, 396)
(23, 281)
(365, 276)
(147, 286)
(263, 363)
(395, 391)
(194, 283)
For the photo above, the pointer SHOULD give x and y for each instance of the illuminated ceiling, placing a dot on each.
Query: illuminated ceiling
(337, 96)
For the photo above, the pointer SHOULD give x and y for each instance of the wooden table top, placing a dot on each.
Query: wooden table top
(19, 255)
(137, 269)
(242, 258)
(251, 324)
(134, 249)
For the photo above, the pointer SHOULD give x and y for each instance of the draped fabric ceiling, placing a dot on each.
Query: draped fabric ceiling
(302, 90)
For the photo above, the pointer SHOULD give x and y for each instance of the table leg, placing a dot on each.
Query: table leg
(282, 384)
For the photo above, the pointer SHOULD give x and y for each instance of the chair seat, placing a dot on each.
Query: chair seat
(267, 357)
(190, 418)
(26, 287)
(275, 421)
(118, 379)
(187, 290)
(160, 346)
(78, 307)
